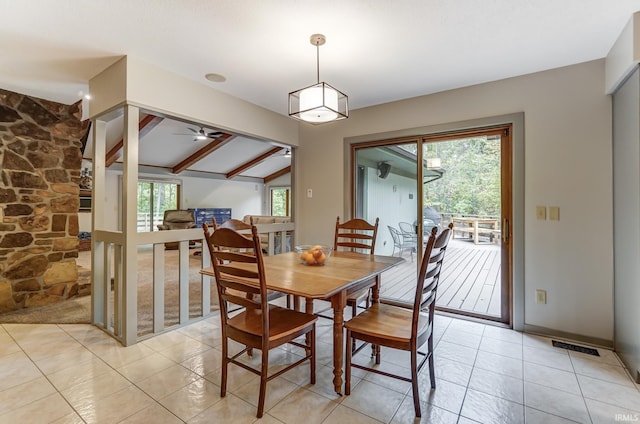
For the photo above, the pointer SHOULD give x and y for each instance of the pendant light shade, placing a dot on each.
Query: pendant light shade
(320, 102)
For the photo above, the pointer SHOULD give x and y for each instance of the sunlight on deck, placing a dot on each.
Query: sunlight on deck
(470, 279)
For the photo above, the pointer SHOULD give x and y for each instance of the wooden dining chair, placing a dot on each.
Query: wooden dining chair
(238, 225)
(232, 223)
(401, 325)
(240, 280)
(357, 235)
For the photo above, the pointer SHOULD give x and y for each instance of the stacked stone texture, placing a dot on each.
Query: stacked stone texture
(40, 153)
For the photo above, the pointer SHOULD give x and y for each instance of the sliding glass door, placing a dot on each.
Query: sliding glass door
(464, 179)
(386, 187)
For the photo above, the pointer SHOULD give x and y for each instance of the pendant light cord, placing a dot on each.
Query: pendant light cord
(318, 62)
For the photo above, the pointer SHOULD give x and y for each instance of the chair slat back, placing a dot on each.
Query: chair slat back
(356, 235)
(236, 282)
(231, 223)
(429, 275)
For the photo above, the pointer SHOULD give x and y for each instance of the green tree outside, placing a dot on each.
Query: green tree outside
(471, 182)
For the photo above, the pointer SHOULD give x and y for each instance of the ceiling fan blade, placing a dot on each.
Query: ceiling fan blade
(201, 134)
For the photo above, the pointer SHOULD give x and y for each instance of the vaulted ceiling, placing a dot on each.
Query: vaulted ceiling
(168, 145)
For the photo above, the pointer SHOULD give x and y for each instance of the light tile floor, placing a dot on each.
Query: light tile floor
(78, 374)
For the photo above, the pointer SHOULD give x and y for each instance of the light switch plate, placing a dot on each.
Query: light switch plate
(541, 296)
(541, 213)
(554, 213)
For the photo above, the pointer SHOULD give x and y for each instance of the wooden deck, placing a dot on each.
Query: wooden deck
(470, 279)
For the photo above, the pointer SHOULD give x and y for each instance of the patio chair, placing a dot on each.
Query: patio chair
(400, 243)
(240, 280)
(408, 232)
(403, 326)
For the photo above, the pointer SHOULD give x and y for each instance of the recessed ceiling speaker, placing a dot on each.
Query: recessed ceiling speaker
(383, 169)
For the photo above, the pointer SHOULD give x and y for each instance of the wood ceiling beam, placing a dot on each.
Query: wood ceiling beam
(283, 171)
(145, 125)
(253, 162)
(205, 151)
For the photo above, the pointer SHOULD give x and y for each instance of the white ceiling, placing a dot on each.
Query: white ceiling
(377, 51)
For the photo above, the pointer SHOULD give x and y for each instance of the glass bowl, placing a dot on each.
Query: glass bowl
(314, 255)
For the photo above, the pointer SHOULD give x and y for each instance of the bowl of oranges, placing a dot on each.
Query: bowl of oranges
(314, 255)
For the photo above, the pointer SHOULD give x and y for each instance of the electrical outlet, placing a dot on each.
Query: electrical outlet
(541, 213)
(541, 296)
(309, 193)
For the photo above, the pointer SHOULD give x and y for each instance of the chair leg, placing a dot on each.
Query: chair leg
(313, 354)
(347, 366)
(354, 311)
(368, 303)
(414, 382)
(432, 373)
(263, 383)
(225, 364)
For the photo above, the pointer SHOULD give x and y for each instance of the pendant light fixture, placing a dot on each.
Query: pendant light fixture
(320, 102)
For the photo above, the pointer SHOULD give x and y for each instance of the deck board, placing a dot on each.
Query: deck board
(470, 279)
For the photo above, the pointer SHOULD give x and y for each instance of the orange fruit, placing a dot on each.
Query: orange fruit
(310, 260)
(317, 253)
(321, 258)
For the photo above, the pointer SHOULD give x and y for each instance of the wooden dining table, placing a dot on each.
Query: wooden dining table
(344, 273)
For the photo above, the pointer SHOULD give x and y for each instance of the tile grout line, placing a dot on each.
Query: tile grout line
(466, 389)
(58, 392)
(118, 372)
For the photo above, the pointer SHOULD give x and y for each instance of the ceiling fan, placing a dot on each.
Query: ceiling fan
(201, 134)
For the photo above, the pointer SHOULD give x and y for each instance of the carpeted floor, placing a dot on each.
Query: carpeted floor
(72, 311)
(78, 310)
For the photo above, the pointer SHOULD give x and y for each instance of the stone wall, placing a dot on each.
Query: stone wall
(40, 153)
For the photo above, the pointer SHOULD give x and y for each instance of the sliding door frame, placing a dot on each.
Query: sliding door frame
(506, 132)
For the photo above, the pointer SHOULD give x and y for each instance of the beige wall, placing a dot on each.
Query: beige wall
(567, 121)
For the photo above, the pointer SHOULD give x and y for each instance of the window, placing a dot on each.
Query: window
(154, 197)
(280, 201)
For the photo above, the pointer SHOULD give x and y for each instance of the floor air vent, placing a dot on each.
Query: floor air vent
(575, 348)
